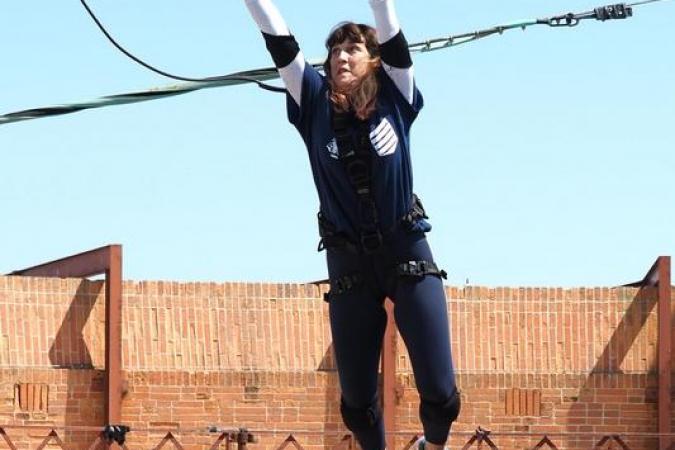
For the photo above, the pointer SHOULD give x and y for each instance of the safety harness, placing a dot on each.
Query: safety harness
(352, 136)
(356, 156)
(415, 270)
(355, 153)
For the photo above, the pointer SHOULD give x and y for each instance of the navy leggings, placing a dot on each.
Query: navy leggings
(358, 320)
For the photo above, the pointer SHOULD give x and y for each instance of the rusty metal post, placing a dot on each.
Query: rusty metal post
(481, 436)
(545, 441)
(52, 436)
(389, 375)
(113, 336)
(170, 438)
(291, 440)
(665, 350)
(611, 439)
(7, 440)
(105, 260)
(244, 437)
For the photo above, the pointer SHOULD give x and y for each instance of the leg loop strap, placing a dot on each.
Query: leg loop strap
(420, 269)
(342, 285)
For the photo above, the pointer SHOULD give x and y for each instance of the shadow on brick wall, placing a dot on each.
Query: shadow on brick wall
(69, 352)
(619, 400)
(332, 416)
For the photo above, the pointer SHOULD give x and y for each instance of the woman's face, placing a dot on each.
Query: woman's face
(349, 62)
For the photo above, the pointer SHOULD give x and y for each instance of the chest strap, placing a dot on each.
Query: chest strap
(356, 155)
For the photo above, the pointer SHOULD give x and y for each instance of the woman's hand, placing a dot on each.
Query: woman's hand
(281, 44)
(268, 17)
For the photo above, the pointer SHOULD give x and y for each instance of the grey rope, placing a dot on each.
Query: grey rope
(618, 11)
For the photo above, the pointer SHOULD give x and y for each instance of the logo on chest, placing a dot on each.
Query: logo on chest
(383, 138)
(332, 148)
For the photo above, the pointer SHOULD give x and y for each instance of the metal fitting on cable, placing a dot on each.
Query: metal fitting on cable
(618, 11)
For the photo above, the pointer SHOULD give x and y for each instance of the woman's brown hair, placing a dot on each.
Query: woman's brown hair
(362, 97)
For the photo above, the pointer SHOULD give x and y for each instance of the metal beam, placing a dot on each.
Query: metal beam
(86, 264)
(113, 336)
(389, 375)
(665, 350)
(105, 260)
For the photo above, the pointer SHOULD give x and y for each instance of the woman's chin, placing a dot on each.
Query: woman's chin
(344, 82)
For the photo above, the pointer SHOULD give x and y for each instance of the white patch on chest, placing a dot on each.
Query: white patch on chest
(384, 138)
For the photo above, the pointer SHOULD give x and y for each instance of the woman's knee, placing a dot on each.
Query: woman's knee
(445, 411)
(359, 419)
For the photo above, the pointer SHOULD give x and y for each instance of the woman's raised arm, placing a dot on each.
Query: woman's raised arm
(283, 47)
(395, 54)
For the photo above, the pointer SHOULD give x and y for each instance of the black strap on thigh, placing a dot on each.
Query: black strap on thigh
(342, 285)
(420, 269)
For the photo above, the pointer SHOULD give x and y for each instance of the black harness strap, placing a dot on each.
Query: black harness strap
(330, 238)
(420, 269)
(416, 212)
(353, 141)
(342, 285)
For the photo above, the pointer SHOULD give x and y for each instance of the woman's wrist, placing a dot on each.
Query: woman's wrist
(386, 22)
(267, 17)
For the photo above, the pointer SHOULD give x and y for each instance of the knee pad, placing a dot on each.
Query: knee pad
(360, 419)
(441, 412)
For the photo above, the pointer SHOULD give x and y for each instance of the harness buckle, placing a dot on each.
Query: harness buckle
(342, 285)
(415, 269)
(416, 212)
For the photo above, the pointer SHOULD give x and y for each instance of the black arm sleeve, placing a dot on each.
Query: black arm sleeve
(395, 52)
(283, 49)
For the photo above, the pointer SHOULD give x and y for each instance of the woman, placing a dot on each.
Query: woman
(355, 122)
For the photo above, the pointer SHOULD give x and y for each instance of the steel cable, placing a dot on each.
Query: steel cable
(257, 76)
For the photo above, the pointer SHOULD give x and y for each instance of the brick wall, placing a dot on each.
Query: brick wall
(229, 355)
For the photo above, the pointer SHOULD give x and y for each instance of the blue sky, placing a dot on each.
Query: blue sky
(544, 158)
